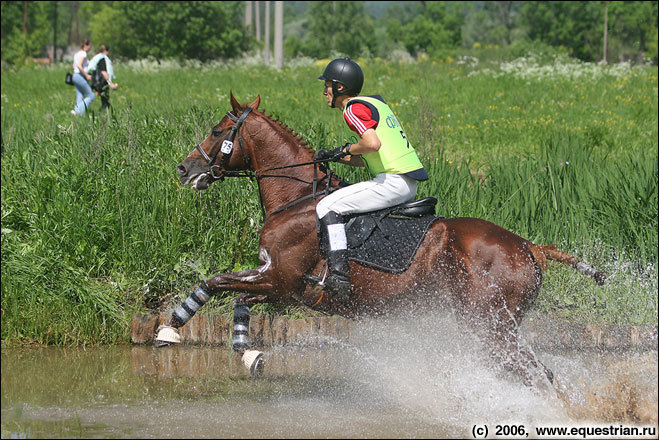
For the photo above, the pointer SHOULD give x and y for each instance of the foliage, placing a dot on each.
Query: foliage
(579, 26)
(433, 29)
(569, 24)
(341, 27)
(216, 30)
(636, 25)
(96, 226)
(192, 30)
(16, 44)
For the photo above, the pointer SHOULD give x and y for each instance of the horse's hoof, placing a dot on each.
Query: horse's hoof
(253, 360)
(166, 335)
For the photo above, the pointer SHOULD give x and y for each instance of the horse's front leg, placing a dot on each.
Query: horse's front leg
(254, 282)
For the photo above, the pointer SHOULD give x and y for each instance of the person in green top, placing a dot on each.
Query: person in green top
(377, 141)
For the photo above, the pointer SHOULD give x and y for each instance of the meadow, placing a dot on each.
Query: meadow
(96, 226)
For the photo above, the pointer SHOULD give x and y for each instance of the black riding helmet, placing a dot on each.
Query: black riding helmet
(346, 72)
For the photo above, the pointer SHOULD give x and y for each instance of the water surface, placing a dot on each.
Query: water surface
(404, 380)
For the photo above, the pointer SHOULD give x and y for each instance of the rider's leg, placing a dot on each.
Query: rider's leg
(383, 191)
(335, 251)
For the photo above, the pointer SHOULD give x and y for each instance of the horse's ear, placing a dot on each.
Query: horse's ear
(254, 105)
(234, 103)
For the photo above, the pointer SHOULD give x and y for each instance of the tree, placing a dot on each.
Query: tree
(503, 13)
(341, 27)
(25, 30)
(435, 28)
(184, 30)
(632, 26)
(574, 25)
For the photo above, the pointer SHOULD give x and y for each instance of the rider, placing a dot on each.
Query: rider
(377, 141)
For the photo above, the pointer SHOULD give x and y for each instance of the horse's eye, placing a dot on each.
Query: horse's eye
(217, 133)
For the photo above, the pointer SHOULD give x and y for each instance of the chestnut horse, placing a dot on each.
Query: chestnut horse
(488, 275)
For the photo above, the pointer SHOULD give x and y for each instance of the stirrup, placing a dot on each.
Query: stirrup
(316, 281)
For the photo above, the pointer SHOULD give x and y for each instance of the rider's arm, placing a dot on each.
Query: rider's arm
(368, 143)
(360, 120)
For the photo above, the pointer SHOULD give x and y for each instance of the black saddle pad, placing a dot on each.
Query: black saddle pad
(386, 242)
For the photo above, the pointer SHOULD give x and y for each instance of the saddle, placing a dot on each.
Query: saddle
(388, 239)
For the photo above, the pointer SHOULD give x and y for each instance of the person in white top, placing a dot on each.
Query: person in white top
(84, 93)
(102, 72)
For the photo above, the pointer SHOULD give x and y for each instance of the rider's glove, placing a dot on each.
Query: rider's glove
(332, 155)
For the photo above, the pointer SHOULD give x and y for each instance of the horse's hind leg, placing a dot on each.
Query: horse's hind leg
(505, 346)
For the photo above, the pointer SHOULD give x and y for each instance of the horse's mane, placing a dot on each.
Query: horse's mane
(286, 130)
(297, 137)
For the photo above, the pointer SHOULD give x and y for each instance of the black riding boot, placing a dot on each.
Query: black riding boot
(333, 246)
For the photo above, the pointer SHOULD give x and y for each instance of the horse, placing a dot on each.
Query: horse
(487, 275)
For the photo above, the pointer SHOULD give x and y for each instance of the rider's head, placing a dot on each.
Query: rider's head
(343, 77)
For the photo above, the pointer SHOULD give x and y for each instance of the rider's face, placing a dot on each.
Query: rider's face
(328, 92)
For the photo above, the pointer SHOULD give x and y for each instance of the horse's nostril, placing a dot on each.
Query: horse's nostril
(181, 170)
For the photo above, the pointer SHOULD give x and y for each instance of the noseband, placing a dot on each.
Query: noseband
(227, 146)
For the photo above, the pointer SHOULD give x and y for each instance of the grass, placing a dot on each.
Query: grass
(95, 225)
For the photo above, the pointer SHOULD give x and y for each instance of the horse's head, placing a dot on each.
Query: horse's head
(222, 150)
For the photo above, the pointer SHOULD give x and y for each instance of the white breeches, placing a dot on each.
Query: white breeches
(383, 191)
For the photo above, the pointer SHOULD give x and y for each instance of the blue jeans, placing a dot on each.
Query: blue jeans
(84, 93)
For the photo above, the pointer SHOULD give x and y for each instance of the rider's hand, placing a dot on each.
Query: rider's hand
(331, 155)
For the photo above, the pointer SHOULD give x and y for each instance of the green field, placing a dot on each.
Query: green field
(95, 225)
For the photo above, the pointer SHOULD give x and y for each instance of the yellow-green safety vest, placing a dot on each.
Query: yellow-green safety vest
(396, 155)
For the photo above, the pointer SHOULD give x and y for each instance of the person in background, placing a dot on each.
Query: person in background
(102, 75)
(84, 93)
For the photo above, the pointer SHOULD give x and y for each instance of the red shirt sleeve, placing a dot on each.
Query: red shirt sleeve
(359, 118)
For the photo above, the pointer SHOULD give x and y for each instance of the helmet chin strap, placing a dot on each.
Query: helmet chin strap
(335, 93)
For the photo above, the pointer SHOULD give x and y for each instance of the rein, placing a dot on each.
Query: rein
(218, 173)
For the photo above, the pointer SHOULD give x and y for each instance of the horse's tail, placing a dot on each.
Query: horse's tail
(542, 253)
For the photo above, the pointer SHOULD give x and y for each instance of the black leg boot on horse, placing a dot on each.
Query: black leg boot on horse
(334, 248)
(168, 334)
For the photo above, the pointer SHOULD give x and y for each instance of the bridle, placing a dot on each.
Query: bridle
(227, 147)
(217, 171)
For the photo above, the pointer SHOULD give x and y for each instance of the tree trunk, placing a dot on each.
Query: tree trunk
(257, 17)
(266, 53)
(279, 34)
(54, 56)
(248, 13)
(77, 24)
(25, 18)
(606, 29)
(70, 40)
(504, 16)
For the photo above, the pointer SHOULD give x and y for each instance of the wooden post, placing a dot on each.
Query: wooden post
(279, 34)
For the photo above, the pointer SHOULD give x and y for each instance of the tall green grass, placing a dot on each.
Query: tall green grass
(95, 225)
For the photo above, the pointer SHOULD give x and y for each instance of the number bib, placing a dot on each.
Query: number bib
(396, 155)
